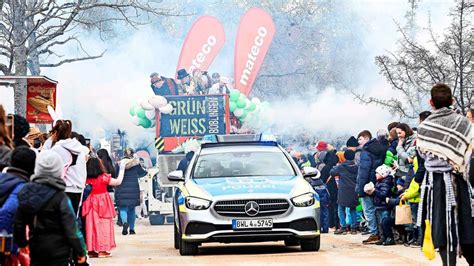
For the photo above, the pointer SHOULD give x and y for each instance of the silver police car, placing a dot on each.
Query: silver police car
(244, 189)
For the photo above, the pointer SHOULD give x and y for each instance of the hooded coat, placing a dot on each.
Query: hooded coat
(372, 156)
(128, 193)
(73, 154)
(347, 172)
(383, 190)
(11, 183)
(48, 212)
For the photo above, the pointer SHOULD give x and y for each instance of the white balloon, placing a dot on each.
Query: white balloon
(167, 109)
(256, 101)
(247, 103)
(158, 101)
(135, 120)
(146, 105)
(150, 114)
(238, 112)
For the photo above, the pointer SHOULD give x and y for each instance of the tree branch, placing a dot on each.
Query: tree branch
(72, 60)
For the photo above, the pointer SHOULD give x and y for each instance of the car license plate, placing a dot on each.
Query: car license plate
(252, 224)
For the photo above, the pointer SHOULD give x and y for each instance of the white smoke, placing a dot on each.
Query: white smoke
(98, 94)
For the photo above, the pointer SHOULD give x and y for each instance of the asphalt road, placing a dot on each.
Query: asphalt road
(153, 245)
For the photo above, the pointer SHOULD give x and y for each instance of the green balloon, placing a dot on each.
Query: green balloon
(242, 117)
(252, 107)
(132, 110)
(232, 106)
(234, 95)
(145, 122)
(141, 113)
(241, 103)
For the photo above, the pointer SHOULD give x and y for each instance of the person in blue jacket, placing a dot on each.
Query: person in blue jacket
(324, 200)
(382, 192)
(372, 156)
(22, 164)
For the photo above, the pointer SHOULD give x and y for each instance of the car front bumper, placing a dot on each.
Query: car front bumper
(208, 226)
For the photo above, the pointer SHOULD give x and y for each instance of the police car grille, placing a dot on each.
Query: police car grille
(236, 208)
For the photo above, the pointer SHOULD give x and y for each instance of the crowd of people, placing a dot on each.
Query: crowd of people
(55, 206)
(199, 83)
(362, 183)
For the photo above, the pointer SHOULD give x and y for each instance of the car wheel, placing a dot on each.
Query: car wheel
(311, 244)
(176, 237)
(187, 248)
(156, 219)
(292, 242)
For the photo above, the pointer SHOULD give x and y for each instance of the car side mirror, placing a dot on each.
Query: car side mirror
(176, 176)
(311, 172)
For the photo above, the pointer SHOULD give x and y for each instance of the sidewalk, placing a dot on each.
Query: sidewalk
(413, 254)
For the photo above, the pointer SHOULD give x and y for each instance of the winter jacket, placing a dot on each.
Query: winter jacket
(412, 194)
(73, 154)
(4, 156)
(383, 190)
(128, 193)
(11, 183)
(407, 150)
(372, 156)
(323, 193)
(347, 172)
(53, 232)
(329, 161)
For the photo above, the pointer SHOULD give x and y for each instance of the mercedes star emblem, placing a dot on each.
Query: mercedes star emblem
(252, 208)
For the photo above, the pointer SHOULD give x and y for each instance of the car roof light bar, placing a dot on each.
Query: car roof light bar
(238, 138)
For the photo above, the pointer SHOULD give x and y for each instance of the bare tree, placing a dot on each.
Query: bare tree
(31, 31)
(415, 68)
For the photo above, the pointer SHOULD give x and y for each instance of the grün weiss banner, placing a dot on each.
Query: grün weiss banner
(194, 116)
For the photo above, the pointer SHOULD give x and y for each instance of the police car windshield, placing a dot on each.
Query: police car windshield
(243, 163)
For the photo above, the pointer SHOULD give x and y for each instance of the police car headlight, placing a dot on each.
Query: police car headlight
(197, 203)
(304, 200)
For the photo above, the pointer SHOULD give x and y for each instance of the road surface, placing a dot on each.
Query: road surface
(153, 245)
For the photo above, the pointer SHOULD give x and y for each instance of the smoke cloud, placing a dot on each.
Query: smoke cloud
(97, 94)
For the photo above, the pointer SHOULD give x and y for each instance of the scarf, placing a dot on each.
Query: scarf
(448, 136)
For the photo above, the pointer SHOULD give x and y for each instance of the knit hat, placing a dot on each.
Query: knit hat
(383, 170)
(352, 142)
(48, 164)
(322, 146)
(24, 159)
(349, 155)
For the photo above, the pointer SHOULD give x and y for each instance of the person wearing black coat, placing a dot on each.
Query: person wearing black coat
(346, 196)
(47, 211)
(127, 195)
(329, 160)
